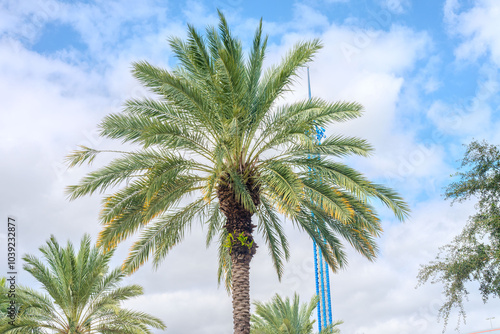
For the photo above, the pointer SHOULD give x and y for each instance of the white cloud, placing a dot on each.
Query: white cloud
(478, 112)
(189, 311)
(374, 76)
(308, 17)
(478, 27)
(380, 297)
(25, 19)
(396, 6)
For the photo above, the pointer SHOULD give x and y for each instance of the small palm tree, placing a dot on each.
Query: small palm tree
(12, 304)
(83, 296)
(215, 147)
(284, 317)
(4, 299)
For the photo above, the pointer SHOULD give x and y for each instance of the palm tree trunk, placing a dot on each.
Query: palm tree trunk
(241, 292)
(240, 229)
(241, 255)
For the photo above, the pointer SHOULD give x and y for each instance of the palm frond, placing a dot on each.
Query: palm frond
(336, 146)
(129, 209)
(280, 183)
(224, 272)
(79, 157)
(279, 78)
(158, 238)
(215, 222)
(270, 226)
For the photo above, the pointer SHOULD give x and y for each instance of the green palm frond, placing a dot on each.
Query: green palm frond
(215, 222)
(328, 243)
(280, 183)
(224, 272)
(334, 146)
(134, 205)
(162, 235)
(292, 125)
(278, 79)
(270, 227)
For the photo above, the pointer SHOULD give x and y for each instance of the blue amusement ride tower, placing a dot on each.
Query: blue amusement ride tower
(321, 269)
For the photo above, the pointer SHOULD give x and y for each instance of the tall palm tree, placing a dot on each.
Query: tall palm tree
(83, 295)
(216, 145)
(284, 317)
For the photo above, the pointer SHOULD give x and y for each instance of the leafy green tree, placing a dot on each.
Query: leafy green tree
(474, 255)
(83, 296)
(217, 146)
(285, 317)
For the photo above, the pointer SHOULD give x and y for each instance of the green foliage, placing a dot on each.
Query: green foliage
(4, 299)
(82, 295)
(244, 240)
(287, 317)
(229, 241)
(241, 238)
(217, 121)
(474, 255)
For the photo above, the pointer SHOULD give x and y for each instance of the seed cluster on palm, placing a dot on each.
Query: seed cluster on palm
(217, 137)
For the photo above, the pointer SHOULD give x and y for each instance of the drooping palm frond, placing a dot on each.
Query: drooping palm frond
(272, 230)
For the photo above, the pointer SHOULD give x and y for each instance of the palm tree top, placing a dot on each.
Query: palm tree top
(82, 295)
(287, 316)
(216, 127)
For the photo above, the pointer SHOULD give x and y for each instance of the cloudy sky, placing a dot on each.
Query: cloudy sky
(427, 72)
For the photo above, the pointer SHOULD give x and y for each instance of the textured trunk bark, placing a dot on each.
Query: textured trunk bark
(241, 293)
(240, 230)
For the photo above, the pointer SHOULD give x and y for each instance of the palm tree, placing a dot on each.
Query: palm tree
(282, 317)
(216, 147)
(4, 298)
(12, 305)
(83, 295)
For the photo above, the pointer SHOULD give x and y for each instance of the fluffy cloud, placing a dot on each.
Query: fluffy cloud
(396, 6)
(189, 311)
(478, 26)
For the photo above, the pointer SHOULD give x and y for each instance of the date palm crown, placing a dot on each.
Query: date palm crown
(218, 146)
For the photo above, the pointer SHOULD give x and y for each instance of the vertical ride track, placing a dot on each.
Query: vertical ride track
(321, 270)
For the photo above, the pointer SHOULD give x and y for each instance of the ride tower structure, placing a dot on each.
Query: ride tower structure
(321, 268)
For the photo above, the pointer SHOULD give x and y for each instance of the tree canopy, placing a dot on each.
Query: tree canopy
(474, 255)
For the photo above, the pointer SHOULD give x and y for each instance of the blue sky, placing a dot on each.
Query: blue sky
(427, 73)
